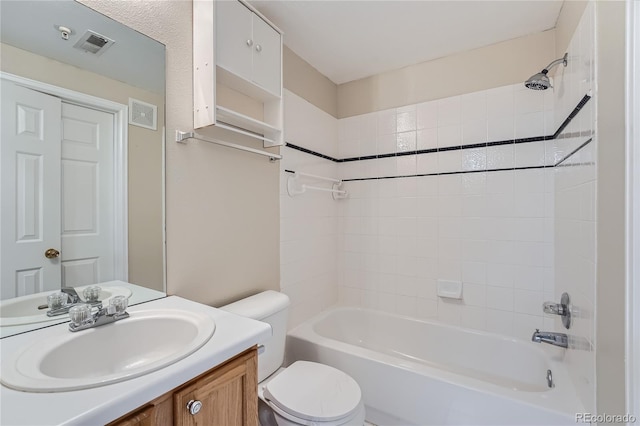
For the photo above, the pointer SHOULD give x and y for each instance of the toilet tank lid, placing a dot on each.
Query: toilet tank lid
(259, 306)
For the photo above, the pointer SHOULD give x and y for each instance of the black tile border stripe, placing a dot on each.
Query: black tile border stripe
(558, 164)
(573, 152)
(557, 133)
(461, 172)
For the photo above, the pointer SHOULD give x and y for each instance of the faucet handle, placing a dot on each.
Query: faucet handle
(91, 293)
(80, 315)
(118, 305)
(561, 309)
(553, 308)
(57, 300)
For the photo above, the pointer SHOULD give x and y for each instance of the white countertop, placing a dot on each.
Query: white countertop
(100, 405)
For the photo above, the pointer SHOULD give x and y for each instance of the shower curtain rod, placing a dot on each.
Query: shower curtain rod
(181, 137)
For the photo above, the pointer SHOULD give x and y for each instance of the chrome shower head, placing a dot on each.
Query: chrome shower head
(540, 81)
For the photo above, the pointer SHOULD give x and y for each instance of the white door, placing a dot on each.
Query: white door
(57, 180)
(30, 182)
(87, 197)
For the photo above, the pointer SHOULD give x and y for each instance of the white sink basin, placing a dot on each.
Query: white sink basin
(24, 310)
(146, 341)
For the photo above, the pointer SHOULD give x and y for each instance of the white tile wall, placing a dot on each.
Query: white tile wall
(458, 227)
(515, 238)
(492, 230)
(309, 222)
(575, 194)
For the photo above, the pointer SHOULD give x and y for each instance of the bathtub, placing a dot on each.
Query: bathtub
(416, 372)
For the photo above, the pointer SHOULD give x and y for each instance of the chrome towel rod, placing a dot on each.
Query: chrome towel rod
(181, 137)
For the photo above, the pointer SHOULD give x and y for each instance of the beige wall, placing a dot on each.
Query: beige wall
(492, 66)
(610, 290)
(308, 83)
(222, 205)
(568, 20)
(144, 155)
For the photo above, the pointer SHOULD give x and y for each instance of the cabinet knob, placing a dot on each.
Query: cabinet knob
(258, 48)
(194, 406)
(249, 43)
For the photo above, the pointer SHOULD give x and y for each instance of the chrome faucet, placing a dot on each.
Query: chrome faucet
(555, 339)
(60, 303)
(82, 318)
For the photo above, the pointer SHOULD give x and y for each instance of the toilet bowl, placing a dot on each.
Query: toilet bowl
(309, 393)
(305, 393)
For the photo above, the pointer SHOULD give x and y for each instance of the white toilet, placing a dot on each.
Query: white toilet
(305, 393)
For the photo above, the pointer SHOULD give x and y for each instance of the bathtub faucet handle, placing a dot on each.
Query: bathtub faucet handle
(553, 308)
(561, 309)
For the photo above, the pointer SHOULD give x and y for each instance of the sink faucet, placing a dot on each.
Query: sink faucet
(555, 339)
(60, 303)
(82, 318)
(71, 292)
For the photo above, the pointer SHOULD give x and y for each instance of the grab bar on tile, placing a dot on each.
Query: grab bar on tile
(309, 175)
(294, 187)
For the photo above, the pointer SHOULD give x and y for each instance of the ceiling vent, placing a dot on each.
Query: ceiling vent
(143, 114)
(93, 43)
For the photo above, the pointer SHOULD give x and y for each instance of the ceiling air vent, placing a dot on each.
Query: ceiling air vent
(143, 114)
(93, 43)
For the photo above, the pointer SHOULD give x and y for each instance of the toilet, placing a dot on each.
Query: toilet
(305, 393)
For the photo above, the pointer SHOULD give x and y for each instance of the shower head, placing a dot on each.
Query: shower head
(540, 81)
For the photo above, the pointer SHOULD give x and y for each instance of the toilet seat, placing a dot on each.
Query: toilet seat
(311, 393)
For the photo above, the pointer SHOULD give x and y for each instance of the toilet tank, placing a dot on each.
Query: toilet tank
(271, 307)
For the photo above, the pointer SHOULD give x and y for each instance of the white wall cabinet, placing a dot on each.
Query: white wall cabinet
(248, 46)
(247, 52)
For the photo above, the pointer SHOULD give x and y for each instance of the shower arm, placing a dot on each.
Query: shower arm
(562, 60)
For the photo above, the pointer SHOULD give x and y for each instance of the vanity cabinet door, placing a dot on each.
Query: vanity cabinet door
(143, 417)
(226, 396)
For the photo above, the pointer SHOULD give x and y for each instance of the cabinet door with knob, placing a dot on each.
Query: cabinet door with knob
(247, 46)
(234, 42)
(224, 396)
(227, 396)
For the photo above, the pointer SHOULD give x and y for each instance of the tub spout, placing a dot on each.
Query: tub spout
(555, 339)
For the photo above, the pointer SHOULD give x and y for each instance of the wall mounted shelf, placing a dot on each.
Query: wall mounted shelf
(237, 47)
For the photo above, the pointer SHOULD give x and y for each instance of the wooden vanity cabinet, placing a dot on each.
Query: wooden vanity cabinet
(228, 395)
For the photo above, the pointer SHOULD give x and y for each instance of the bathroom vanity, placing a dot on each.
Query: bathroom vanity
(225, 395)
(216, 384)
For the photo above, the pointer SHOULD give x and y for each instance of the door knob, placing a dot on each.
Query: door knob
(51, 253)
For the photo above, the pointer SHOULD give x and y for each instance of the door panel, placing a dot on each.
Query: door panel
(29, 281)
(266, 56)
(76, 273)
(233, 23)
(87, 176)
(30, 180)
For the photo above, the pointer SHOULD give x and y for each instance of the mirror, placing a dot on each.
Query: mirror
(82, 160)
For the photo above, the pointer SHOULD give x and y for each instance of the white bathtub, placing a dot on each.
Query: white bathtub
(427, 373)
